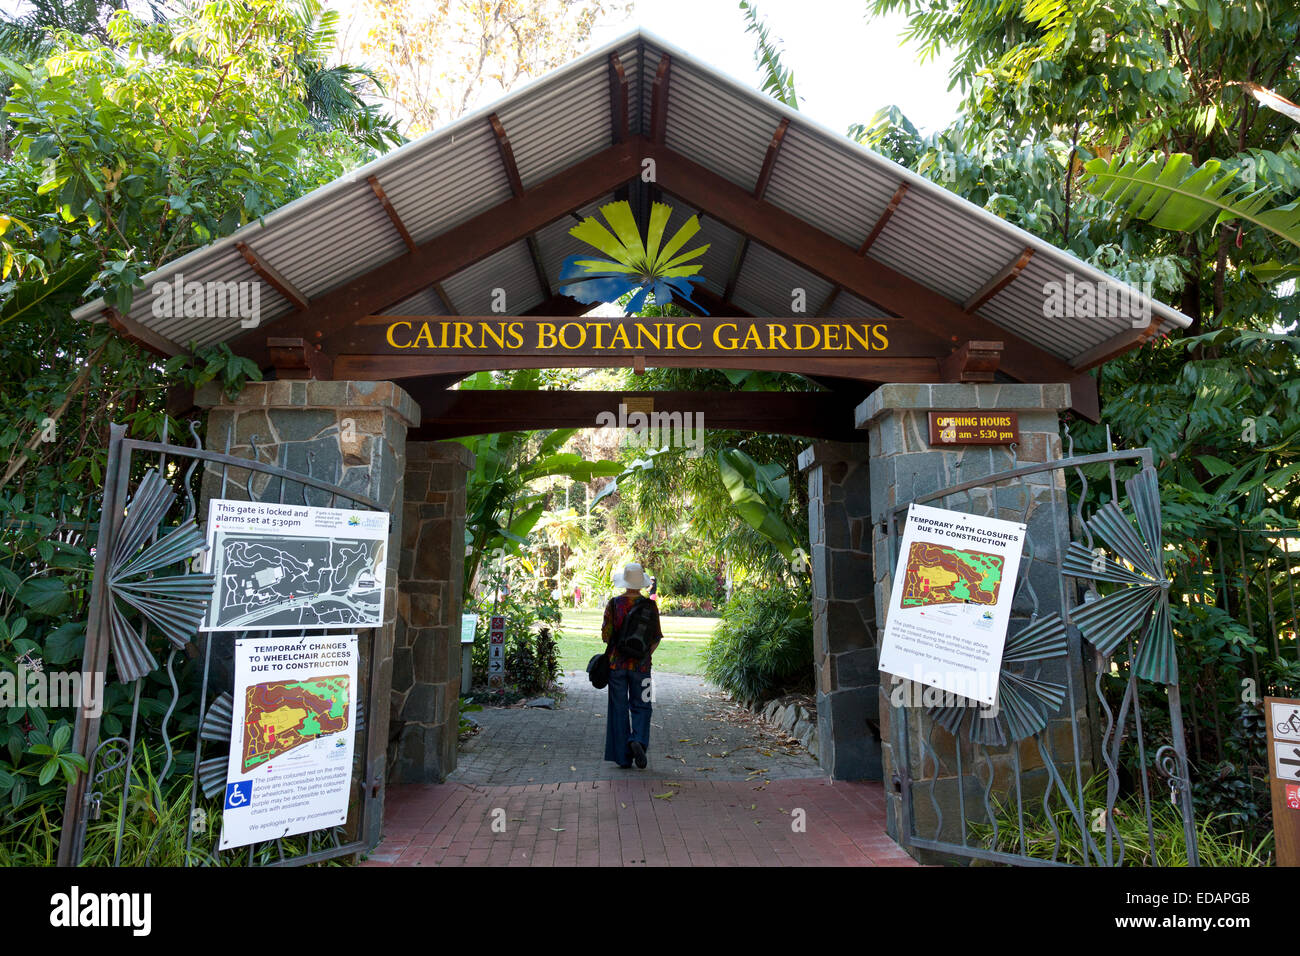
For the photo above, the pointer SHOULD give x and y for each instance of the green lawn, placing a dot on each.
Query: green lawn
(682, 650)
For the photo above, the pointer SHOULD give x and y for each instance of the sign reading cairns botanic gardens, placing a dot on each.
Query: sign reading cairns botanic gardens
(291, 566)
(951, 602)
(291, 741)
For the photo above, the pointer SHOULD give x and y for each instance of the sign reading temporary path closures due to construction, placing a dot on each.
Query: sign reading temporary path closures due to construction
(281, 567)
(292, 737)
(951, 601)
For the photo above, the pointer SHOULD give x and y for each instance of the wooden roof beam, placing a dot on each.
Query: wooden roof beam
(659, 100)
(975, 361)
(822, 253)
(760, 187)
(450, 252)
(388, 367)
(883, 221)
(454, 413)
(273, 278)
(1117, 345)
(1004, 278)
(146, 338)
(517, 187)
(293, 358)
(406, 237)
(618, 110)
(393, 217)
(507, 154)
(867, 243)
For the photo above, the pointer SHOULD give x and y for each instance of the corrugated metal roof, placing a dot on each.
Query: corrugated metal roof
(338, 232)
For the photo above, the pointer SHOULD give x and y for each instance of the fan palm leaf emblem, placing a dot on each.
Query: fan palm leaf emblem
(174, 604)
(655, 266)
(1023, 703)
(1142, 603)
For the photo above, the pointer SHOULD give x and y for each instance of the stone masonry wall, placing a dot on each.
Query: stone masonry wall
(904, 467)
(426, 659)
(843, 606)
(352, 434)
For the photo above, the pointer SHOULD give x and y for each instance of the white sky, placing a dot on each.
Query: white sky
(844, 68)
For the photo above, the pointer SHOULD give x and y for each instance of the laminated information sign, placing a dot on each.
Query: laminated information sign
(1283, 716)
(282, 567)
(292, 737)
(951, 602)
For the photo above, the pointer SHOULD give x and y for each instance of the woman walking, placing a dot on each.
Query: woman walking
(627, 729)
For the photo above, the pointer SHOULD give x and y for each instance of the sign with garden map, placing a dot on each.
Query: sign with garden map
(951, 601)
(281, 567)
(292, 737)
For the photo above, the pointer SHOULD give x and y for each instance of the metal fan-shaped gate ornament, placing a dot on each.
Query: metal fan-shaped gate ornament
(1143, 603)
(173, 604)
(1023, 703)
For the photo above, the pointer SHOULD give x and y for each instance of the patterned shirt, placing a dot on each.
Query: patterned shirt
(615, 614)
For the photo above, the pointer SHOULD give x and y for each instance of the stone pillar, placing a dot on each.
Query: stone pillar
(426, 659)
(844, 614)
(351, 434)
(904, 467)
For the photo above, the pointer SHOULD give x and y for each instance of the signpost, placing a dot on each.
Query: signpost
(974, 428)
(1283, 717)
(497, 654)
(951, 601)
(282, 567)
(292, 737)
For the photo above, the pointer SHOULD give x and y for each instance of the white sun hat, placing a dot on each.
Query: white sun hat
(630, 577)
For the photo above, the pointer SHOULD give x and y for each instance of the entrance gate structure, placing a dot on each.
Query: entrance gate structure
(446, 257)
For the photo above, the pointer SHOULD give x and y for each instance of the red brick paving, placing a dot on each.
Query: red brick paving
(630, 823)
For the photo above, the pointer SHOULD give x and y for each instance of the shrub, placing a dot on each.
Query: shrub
(762, 646)
(531, 649)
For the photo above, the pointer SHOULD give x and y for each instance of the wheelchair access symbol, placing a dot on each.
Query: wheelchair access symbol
(239, 794)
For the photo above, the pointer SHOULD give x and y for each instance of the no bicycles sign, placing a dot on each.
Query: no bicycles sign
(1283, 716)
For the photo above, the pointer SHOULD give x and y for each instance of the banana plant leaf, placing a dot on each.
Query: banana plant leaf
(1174, 194)
(759, 497)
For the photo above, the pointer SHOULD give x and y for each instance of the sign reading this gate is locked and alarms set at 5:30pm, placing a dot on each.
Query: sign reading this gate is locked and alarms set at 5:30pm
(282, 567)
(951, 602)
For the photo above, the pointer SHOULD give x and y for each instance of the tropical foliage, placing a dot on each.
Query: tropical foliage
(762, 647)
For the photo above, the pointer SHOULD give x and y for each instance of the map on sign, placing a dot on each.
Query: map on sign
(939, 574)
(281, 715)
(297, 582)
(292, 566)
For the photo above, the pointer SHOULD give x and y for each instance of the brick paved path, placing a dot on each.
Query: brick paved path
(530, 790)
(688, 740)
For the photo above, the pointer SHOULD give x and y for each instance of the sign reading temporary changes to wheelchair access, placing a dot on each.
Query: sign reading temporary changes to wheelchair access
(292, 737)
(951, 602)
(282, 567)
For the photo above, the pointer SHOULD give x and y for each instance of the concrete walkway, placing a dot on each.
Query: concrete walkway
(721, 788)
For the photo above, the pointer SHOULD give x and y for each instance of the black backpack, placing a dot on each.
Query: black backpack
(638, 631)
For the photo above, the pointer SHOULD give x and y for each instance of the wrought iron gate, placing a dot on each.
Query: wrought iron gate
(1064, 774)
(144, 596)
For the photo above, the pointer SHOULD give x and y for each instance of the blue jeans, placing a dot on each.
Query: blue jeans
(629, 714)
